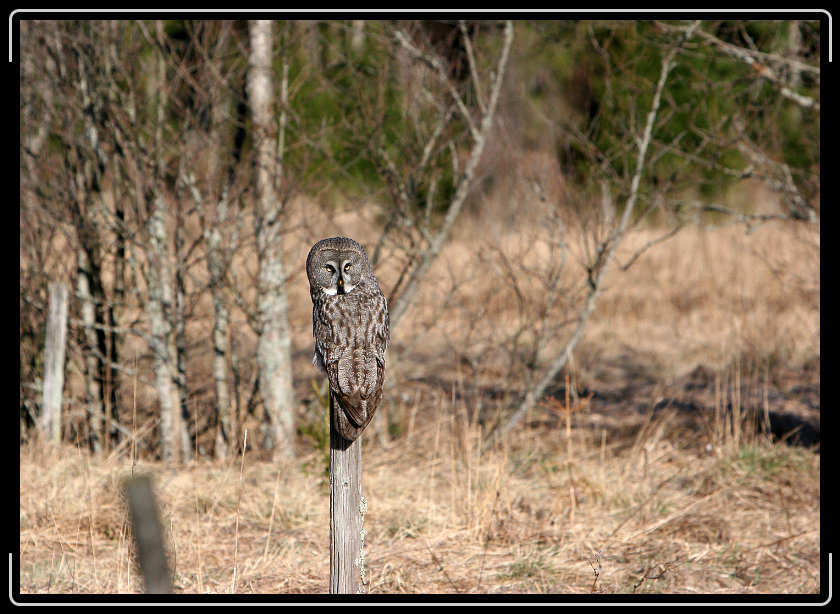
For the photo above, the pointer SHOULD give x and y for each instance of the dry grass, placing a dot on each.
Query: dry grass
(664, 515)
(654, 498)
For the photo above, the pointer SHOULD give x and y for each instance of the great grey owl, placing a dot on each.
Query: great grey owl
(351, 326)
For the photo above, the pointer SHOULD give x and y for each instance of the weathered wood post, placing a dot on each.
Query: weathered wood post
(54, 347)
(148, 535)
(346, 512)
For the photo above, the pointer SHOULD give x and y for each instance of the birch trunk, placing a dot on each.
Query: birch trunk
(54, 349)
(226, 433)
(180, 338)
(93, 388)
(159, 308)
(274, 356)
(221, 345)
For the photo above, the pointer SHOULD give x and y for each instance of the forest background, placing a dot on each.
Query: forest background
(600, 245)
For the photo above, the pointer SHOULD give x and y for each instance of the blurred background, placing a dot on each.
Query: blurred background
(524, 155)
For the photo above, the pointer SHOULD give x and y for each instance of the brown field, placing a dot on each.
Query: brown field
(660, 476)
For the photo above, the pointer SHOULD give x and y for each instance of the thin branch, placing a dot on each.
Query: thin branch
(440, 71)
(462, 26)
(464, 184)
(779, 178)
(752, 220)
(656, 241)
(761, 63)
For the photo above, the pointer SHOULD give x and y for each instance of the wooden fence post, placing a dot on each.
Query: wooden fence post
(346, 545)
(148, 535)
(54, 348)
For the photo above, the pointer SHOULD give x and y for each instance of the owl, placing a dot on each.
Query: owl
(351, 326)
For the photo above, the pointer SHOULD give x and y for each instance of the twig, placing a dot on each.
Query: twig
(650, 244)
(487, 542)
(440, 71)
(597, 570)
(663, 569)
(238, 501)
(782, 540)
(473, 70)
(442, 569)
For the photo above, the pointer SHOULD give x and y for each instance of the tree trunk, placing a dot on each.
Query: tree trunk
(274, 356)
(159, 308)
(54, 362)
(225, 430)
(93, 365)
(180, 337)
(223, 169)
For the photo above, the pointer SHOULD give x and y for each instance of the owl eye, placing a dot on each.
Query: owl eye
(347, 267)
(330, 268)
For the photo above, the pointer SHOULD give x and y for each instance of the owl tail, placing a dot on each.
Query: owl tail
(349, 414)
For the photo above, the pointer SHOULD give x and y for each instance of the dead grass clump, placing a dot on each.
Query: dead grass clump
(711, 296)
(445, 517)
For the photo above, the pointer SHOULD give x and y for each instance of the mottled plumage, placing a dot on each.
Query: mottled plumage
(351, 328)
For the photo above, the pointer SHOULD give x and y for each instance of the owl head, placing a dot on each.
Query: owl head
(336, 266)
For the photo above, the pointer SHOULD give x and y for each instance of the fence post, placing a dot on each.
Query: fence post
(54, 348)
(346, 546)
(148, 535)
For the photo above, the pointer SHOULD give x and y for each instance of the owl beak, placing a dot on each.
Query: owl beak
(340, 285)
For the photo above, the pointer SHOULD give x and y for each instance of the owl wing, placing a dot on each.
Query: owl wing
(356, 381)
(356, 370)
(383, 327)
(321, 330)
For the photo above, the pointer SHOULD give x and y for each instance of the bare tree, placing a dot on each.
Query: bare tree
(416, 102)
(124, 142)
(479, 119)
(219, 146)
(786, 73)
(684, 142)
(274, 356)
(77, 196)
(68, 66)
(149, 140)
(606, 249)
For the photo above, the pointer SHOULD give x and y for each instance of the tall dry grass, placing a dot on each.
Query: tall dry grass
(665, 511)
(651, 497)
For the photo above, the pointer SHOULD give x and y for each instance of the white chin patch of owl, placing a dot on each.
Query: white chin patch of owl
(334, 291)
